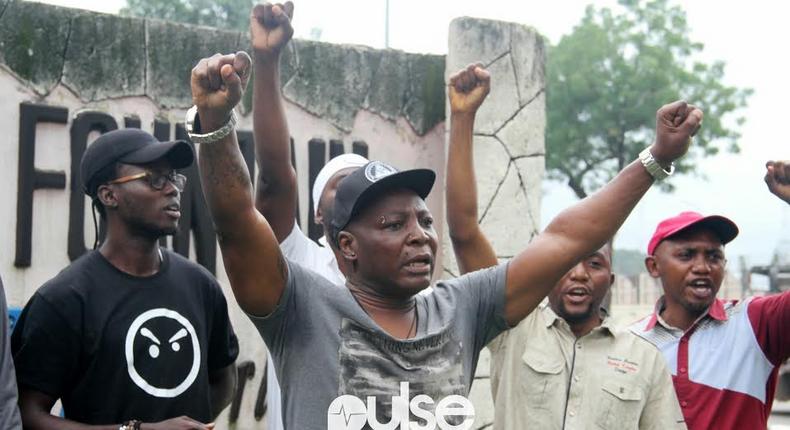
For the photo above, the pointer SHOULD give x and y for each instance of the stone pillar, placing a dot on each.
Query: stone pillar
(508, 151)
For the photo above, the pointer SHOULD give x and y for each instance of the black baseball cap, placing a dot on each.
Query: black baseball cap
(357, 190)
(130, 146)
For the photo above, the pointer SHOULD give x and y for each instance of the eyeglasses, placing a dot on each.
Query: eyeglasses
(157, 181)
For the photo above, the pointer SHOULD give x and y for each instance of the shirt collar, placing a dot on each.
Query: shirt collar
(323, 242)
(715, 311)
(550, 317)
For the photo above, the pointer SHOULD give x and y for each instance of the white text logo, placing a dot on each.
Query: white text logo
(351, 413)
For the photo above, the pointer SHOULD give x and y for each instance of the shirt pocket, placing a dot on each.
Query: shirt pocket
(620, 405)
(541, 378)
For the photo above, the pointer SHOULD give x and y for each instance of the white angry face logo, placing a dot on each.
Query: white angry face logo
(162, 352)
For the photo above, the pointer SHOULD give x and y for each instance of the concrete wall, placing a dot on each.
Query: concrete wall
(128, 71)
(509, 148)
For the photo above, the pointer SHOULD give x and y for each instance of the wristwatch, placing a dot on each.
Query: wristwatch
(652, 166)
(192, 123)
(130, 425)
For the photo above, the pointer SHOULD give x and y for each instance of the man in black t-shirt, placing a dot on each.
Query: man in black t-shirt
(129, 336)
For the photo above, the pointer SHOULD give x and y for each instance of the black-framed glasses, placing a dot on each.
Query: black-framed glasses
(156, 181)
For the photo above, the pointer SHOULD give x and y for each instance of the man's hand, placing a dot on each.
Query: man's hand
(180, 423)
(270, 27)
(468, 88)
(217, 85)
(777, 177)
(676, 123)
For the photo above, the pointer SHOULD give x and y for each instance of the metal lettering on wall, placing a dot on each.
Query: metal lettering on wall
(195, 216)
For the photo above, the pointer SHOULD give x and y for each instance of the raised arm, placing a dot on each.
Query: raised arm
(586, 226)
(466, 91)
(777, 177)
(250, 250)
(270, 31)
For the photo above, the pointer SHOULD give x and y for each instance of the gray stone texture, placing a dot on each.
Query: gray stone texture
(33, 39)
(473, 40)
(524, 134)
(491, 165)
(509, 149)
(527, 52)
(502, 102)
(105, 56)
(173, 49)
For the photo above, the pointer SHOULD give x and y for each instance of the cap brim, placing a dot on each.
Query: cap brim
(418, 180)
(724, 228)
(178, 153)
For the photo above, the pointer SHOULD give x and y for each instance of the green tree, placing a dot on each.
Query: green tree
(607, 78)
(227, 14)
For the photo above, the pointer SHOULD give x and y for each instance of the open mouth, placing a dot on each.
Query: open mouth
(420, 264)
(577, 294)
(701, 288)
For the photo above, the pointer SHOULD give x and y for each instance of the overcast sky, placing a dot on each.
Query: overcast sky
(749, 36)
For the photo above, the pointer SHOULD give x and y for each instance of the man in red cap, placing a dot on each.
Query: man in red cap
(724, 355)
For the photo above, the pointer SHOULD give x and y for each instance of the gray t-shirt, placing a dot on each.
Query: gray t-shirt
(324, 345)
(9, 414)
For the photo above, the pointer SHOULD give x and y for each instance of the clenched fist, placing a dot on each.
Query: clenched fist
(468, 88)
(777, 177)
(676, 124)
(270, 27)
(217, 85)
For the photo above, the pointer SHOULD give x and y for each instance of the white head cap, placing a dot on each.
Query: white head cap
(341, 162)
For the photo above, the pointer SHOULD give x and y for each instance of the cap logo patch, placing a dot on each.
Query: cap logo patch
(376, 170)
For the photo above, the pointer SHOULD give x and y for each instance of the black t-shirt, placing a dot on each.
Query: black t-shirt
(115, 347)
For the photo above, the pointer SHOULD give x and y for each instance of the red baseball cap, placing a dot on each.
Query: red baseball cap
(723, 227)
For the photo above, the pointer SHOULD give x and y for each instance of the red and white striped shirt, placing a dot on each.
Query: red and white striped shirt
(725, 365)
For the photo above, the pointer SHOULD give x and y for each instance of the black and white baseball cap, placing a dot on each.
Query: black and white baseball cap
(357, 190)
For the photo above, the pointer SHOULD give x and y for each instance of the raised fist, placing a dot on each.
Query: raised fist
(468, 88)
(270, 27)
(676, 124)
(777, 177)
(217, 85)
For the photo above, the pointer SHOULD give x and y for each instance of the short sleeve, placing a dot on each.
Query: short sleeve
(273, 327)
(223, 344)
(483, 292)
(770, 319)
(46, 348)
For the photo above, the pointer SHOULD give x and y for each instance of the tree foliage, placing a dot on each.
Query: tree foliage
(226, 14)
(607, 78)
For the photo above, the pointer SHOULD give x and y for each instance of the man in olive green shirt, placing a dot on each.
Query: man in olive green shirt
(564, 366)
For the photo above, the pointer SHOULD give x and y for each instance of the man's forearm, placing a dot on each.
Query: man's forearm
(222, 387)
(472, 249)
(272, 138)
(591, 223)
(461, 184)
(277, 178)
(225, 179)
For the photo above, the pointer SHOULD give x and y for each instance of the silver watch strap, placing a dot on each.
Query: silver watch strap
(652, 166)
(213, 136)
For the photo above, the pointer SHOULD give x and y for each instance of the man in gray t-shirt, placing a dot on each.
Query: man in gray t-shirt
(316, 319)
(340, 352)
(9, 412)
